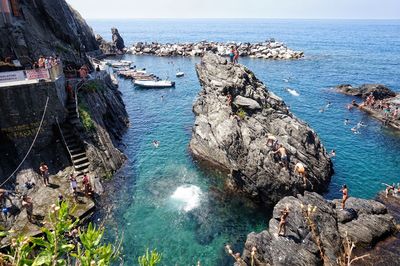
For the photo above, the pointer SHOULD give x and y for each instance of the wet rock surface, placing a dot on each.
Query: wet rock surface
(265, 50)
(379, 91)
(234, 137)
(309, 233)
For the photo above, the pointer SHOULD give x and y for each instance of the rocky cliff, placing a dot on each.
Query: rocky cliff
(47, 27)
(317, 231)
(235, 114)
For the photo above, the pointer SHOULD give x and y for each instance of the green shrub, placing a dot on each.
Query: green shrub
(85, 117)
(93, 86)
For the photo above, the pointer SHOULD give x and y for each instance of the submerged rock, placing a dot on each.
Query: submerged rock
(379, 91)
(234, 136)
(316, 237)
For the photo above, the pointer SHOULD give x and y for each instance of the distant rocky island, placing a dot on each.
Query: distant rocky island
(270, 49)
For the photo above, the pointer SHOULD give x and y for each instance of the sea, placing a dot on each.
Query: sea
(170, 203)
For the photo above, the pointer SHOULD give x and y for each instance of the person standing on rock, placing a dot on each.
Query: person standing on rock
(74, 185)
(232, 54)
(282, 223)
(235, 56)
(44, 172)
(86, 185)
(27, 203)
(283, 154)
(345, 193)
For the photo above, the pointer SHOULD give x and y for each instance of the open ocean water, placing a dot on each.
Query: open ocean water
(171, 204)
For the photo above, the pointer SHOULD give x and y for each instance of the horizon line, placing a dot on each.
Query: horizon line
(244, 18)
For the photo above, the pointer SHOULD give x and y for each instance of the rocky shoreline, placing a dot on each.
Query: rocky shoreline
(264, 50)
(379, 101)
(317, 231)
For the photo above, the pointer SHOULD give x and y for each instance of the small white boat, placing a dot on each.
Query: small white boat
(180, 74)
(154, 83)
(121, 64)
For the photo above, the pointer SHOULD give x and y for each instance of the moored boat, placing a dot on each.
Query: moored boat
(154, 83)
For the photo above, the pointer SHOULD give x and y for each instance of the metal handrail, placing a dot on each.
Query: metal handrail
(65, 142)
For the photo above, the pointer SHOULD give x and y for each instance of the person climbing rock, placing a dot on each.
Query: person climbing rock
(282, 223)
(301, 171)
(44, 172)
(345, 193)
(284, 158)
(389, 188)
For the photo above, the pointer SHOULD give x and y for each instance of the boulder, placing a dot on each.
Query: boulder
(310, 232)
(379, 91)
(234, 137)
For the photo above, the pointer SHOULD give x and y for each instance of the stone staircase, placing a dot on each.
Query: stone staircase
(72, 142)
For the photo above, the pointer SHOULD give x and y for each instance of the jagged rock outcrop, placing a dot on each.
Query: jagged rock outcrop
(116, 46)
(117, 39)
(316, 237)
(379, 91)
(234, 137)
(47, 28)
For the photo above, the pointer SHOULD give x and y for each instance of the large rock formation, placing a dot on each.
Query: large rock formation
(315, 234)
(379, 91)
(117, 39)
(234, 137)
(47, 28)
(116, 46)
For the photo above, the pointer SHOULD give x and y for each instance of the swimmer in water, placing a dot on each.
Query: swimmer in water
(322, 110)
(355, 130)
(156, 143)
(332, 154)
(346, 121)
(329, 104)
(361, 124)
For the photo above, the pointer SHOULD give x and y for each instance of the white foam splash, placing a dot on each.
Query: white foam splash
(293, 92)
(188, 195)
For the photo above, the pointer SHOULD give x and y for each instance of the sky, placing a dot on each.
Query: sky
(306, 9)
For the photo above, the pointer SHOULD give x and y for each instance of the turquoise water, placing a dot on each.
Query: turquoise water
(172, 204)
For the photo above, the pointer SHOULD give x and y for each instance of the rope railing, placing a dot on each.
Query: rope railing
(33, 143)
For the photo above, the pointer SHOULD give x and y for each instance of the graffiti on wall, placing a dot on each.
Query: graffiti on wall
(22, 131)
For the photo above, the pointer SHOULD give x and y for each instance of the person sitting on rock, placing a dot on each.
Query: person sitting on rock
(345, 193)
(301, 171)
(283, 154)
(389, 188)
(282, 223)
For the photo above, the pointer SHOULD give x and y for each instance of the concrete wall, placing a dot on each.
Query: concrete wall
(21, 109)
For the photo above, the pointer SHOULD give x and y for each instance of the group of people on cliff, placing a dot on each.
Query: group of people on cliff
(46, 62)
(10, 208)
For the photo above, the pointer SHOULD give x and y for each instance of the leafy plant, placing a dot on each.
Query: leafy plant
(150, 258)
(61, 244)
(85, 117)
(93, 86)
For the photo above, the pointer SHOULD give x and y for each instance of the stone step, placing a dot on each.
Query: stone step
(74, 146)
(80, 160)
(81, 173)
(82, 166)
(76, 151)
(77, 155)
